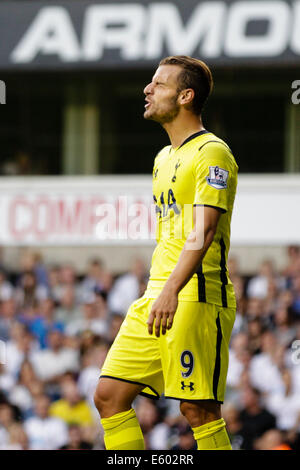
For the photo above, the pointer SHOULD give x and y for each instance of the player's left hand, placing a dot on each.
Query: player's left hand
(162, 312)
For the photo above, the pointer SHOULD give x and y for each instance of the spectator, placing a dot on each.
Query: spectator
(17, 438)
(29, 290)
(284, 327)
(75, 441)
(272, 440)
(72, 408)
(90, 319)
(44, 431)
(68, 279)
(126, 289)
(296, 294)
(263, 355)
(285, 404)
(292, 358)
(43, 323)
(54, 284)
(68, 309)
(254, 309)
(2, 264)
(239, 287)
(116, 321)
(86, 340)
(234, 425)
(293, 265)
(39, 269)
(8, 416)
(271, 299)
(92, 362)
(101, 304)
(155, 431)
(7, 318)
(233, 268)
(186, 439)
(7, 381)
(28, 314)
(21, 346)
(270, 380)
(95, 277)
(255, 332)
(26, 388)
(258, 286)
(33, 261)
(238, 351)
(51, 363)
(254, 418)
(6, 288)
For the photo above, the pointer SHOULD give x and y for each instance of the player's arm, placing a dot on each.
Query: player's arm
(163, 310)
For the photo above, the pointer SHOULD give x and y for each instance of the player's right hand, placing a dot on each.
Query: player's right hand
(162, 312)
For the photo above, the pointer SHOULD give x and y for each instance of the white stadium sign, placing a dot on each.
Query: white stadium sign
(107, 210)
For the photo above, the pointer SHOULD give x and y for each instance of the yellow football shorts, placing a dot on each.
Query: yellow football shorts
(189, 362)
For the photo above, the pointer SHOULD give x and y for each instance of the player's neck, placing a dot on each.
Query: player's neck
(182, 127)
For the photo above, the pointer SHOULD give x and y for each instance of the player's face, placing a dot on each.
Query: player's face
(162, 95)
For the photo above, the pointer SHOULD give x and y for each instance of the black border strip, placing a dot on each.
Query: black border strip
(193, 400)
(217, 369)
(193, 136)
(201, 284)
(209, 205)
(148, 395)
(218, 142)
(223, 275)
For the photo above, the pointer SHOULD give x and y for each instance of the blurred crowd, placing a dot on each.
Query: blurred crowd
(57, 325)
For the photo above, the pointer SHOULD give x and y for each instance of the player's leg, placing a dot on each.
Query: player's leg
(113, 399)
(195, 362)
(207, 424)
(132, 366)
(202, 412)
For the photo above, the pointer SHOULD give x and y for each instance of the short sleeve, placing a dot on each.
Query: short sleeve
(215, 170)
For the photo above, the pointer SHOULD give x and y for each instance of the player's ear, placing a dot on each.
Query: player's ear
(186, 96)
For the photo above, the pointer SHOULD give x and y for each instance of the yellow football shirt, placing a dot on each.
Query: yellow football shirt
(202, 171)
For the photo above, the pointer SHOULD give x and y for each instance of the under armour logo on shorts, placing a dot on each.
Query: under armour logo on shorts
(190, 386)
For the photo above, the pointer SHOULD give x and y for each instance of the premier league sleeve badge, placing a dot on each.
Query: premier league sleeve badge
(217, 177)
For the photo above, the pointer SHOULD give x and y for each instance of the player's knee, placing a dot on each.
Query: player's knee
(103, 397)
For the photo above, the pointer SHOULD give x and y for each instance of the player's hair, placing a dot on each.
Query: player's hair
(195, 74)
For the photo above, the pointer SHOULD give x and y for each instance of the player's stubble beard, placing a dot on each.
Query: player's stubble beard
(167, 115)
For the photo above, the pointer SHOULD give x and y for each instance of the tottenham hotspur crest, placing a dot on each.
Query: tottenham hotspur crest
(217, 177)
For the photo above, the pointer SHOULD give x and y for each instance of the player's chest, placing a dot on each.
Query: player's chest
(173, 177)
